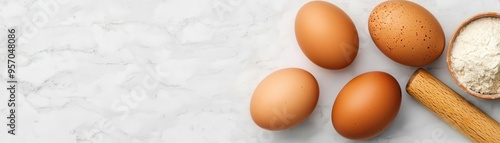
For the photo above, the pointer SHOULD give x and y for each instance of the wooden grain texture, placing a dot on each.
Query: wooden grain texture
(453, 108)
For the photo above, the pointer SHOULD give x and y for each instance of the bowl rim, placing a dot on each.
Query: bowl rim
(448, 53)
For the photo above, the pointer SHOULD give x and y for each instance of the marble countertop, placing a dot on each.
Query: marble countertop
(172, 71)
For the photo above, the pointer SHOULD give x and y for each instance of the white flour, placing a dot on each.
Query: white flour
(475, 56)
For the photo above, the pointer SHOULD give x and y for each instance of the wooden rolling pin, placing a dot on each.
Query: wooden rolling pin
(453, 108)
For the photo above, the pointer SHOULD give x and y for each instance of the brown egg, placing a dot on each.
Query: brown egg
(284, 99)
(326, 35)
(406, 32)
(366, 105)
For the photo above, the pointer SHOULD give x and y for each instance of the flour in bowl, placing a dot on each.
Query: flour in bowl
(475, 56)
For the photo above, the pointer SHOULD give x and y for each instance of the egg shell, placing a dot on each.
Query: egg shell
(366, 105)
(284, 99)
(406, 32)
(326, 35)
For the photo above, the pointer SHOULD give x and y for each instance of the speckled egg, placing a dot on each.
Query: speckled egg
(406, 32)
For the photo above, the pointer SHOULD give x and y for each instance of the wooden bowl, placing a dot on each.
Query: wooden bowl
(448, 53)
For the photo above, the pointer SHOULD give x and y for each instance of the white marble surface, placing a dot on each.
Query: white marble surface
(82, 67)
